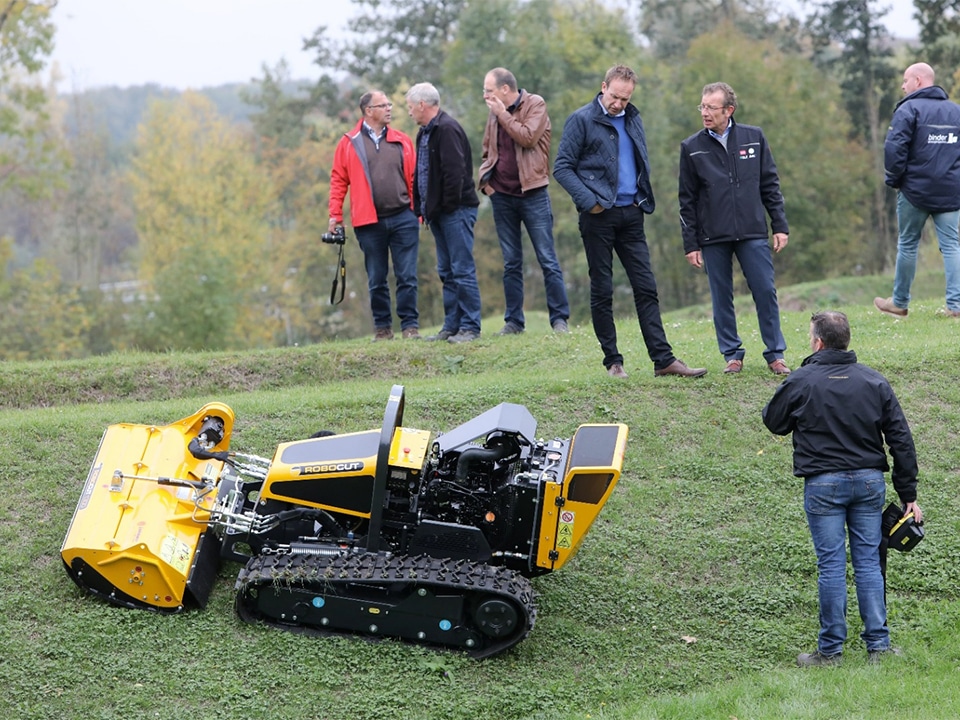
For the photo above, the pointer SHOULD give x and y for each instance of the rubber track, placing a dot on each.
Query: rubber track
(439, 574)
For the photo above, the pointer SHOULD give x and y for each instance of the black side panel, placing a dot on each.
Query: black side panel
(203, 574)
(349, 493)
(447, 540)
(594, 446)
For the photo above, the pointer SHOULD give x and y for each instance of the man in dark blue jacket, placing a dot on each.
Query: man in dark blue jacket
(602, 162)
(841, 413)
(727, 180)
(922, 161)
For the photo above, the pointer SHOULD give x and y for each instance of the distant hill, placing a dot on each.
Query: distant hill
(119, 110)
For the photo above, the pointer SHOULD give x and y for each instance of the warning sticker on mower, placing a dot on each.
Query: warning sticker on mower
(565, 529)
(175, 553)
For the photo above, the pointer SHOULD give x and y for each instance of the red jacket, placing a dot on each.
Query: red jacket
(350, 169)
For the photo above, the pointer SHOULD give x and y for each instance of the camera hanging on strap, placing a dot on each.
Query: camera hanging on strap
(337, 237)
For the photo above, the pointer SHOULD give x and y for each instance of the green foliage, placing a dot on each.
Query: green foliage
(392, 41)
(690, 598)
(29, 150)
(39, 315)
(670, 25)
(201, 217)
(939, 22)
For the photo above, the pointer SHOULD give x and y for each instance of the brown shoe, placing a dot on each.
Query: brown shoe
(678, 367)
(616, 370)
(779, 367)
(411, 333)
(383, 333)
(885, 305)
(947, 312)
(733, 367)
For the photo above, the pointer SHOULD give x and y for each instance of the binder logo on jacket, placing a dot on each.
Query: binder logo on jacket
(748, 153)
(942, 139)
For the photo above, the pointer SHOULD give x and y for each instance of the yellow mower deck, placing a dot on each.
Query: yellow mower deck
(138, 536)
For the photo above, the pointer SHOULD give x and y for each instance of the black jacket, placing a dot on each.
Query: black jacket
(724, 193)
(840, 413)
(588, 159)
(922, 151)
(450, 171)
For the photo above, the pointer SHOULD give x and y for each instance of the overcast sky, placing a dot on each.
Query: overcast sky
(186, 43)
(200, 43)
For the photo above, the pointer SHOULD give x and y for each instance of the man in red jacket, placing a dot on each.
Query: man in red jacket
(378, 163)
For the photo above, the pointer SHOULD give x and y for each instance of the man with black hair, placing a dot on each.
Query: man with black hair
(843, 415)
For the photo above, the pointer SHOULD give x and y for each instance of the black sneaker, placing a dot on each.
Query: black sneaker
(463, 336)
(442, 335)
(818, 659)
(510, 329)
(875, 657)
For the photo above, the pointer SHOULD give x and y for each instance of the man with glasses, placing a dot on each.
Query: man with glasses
(603, 163)
(514, 173)
(728, 179)
(377, 163)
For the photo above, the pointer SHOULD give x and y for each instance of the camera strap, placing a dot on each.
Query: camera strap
(339, 278)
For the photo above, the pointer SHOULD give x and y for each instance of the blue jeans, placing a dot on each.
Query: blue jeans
(453, 233)
(853, 499)
(620, 229)
(534, 211)
(756, 262)
(911, 220)
(399, 236)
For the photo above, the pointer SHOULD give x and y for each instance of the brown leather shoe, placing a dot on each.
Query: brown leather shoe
(616, 370)
(733, 367)
(779, 367)
(678, 367)
(885, 305)
(411, 333)
(383, 333)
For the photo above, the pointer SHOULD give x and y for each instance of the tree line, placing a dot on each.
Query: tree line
(203, 232)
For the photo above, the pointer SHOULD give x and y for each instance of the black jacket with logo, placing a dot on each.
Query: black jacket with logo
(840, 413)
(922, 151)
(724, 193)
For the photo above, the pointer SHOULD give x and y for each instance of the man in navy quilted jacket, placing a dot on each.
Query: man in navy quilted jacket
(922, 161)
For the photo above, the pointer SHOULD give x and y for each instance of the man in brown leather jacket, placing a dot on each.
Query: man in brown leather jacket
(515, 172)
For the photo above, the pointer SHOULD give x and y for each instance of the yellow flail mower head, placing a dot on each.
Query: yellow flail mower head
(137, 537)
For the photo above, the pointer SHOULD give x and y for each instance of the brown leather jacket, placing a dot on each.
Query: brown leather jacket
(529, 126)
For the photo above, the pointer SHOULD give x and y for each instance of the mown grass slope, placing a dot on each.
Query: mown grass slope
(689, 599)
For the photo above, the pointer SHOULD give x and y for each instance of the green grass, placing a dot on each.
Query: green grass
(690, 598)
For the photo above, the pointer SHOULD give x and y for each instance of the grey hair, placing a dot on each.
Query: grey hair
(425, 93)
(729, 96)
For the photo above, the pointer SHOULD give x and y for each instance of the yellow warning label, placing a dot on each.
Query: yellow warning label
(565, 530)
(175, 553)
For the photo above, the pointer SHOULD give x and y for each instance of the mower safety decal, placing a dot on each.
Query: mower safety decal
(565, 529)
(175, 553)
(92, 479)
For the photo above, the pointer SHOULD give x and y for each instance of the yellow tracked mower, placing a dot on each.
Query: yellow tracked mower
(395, 532)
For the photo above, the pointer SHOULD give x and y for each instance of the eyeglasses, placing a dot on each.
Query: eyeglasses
(711, 108)
(381, 106)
